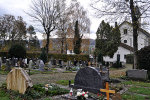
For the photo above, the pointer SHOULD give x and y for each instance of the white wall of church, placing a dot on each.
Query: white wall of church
(127, 39)
(122, 51)
(143, 40)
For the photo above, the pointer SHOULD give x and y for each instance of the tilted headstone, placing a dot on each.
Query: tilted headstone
(18, 80)
(89, 79)
(41, 65)
(137, 74)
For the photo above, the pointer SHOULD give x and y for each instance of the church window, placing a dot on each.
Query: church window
(125, 41)
(125, 31)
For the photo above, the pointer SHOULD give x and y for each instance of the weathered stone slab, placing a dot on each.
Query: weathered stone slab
(137, 74)
(18, 80)
(89, 79)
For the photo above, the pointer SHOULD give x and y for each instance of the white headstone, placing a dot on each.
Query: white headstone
(30, 64)
(41, 65)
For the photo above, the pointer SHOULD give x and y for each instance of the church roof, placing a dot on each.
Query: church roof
(126, 46)
(140, 29)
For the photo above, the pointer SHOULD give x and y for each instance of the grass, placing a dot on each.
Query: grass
(140, 90)
(32, 72)
(64, 82)
(67, 72)
(128, 96)
(136, 83)
(3, 95)
(37, 92)
(4, 72)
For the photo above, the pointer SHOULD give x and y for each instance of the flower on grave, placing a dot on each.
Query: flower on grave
(100, 96)
(47, 86)
(81, 95)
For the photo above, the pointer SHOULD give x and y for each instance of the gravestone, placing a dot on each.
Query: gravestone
(18, 80)
(8, 65)
(37, 63)
(41, 65)
(50, 64)
(60, 63)
(54, 62)
(13, 62)
(30, 64)
(25, 61)
(68, 63)
(89, 79)
(137, 74)
(4, 59)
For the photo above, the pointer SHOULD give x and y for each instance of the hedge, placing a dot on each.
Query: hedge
(129, 59)
(64, 57)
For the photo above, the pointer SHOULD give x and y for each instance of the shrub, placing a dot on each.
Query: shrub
(63, 57)
(3, 67)
(17, 51)
(117, 65)
(129, 59)
(43, 55)
(144, 58)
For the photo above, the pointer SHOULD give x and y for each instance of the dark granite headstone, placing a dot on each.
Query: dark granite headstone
(89, 79)
(137, 74)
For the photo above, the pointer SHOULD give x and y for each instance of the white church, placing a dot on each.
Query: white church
(126, 46)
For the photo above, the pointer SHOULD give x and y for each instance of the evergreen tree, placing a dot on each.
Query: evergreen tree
(108, 39)
(43, 55)
(77, 40)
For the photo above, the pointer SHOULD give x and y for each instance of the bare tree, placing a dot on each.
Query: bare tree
(12, 28)
(77, 13)
(63, 25)
(119, 10)
(46, 12)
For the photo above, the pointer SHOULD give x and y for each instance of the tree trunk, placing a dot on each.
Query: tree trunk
(135, 33)
(135, 45)
(47, 44)
(62, 46)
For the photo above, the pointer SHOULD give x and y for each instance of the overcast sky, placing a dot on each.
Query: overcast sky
(19, 7)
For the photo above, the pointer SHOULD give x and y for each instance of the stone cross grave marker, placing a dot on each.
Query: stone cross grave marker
(18, 80)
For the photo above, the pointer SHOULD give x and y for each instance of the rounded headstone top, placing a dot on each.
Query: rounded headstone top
(88, 77)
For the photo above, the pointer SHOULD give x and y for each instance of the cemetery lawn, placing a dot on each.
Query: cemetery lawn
(137, 90)
(64, 82)
(117, 73)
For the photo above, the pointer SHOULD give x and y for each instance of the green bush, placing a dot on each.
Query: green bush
(17, 51)
(117, 65)
(129, 59)
(36, 92)
(43, 55)
(3, 67)
(63, 57)
(144, 58)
